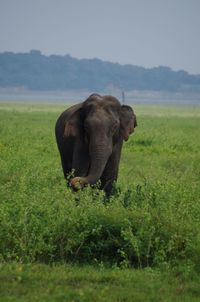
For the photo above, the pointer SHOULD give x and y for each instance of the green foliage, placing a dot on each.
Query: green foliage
(39, 72)
(152, 218)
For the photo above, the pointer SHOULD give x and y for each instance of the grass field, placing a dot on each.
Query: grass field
(141, 245)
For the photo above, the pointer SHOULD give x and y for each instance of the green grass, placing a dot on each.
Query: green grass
(39, 282)
(152, 221)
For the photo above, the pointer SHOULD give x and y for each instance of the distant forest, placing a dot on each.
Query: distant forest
(36, 71)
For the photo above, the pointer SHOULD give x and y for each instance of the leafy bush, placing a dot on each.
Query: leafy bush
(143, 226)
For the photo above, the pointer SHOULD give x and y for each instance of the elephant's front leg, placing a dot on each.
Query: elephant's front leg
(81, 159)
(111, 170)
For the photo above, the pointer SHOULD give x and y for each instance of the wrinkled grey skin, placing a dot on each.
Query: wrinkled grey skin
(90, 137)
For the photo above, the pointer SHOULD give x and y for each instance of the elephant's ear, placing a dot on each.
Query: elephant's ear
(73, 121)
(127, 121)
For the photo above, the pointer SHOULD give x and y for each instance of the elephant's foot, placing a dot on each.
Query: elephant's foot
(78, 183)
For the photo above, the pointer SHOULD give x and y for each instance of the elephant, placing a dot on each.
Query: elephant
(90, 136)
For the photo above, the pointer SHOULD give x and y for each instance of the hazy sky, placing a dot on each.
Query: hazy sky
(140, 32)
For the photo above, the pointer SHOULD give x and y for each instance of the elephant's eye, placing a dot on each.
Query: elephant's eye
(86, 127)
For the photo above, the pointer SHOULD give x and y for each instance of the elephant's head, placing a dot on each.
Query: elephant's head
(101, 123)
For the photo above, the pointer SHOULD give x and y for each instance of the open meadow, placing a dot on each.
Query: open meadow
(141, 245)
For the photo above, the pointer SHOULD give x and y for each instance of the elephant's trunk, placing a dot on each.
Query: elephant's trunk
(98, 163)
(99, 157)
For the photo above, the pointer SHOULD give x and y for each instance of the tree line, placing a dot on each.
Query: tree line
(36, 71)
